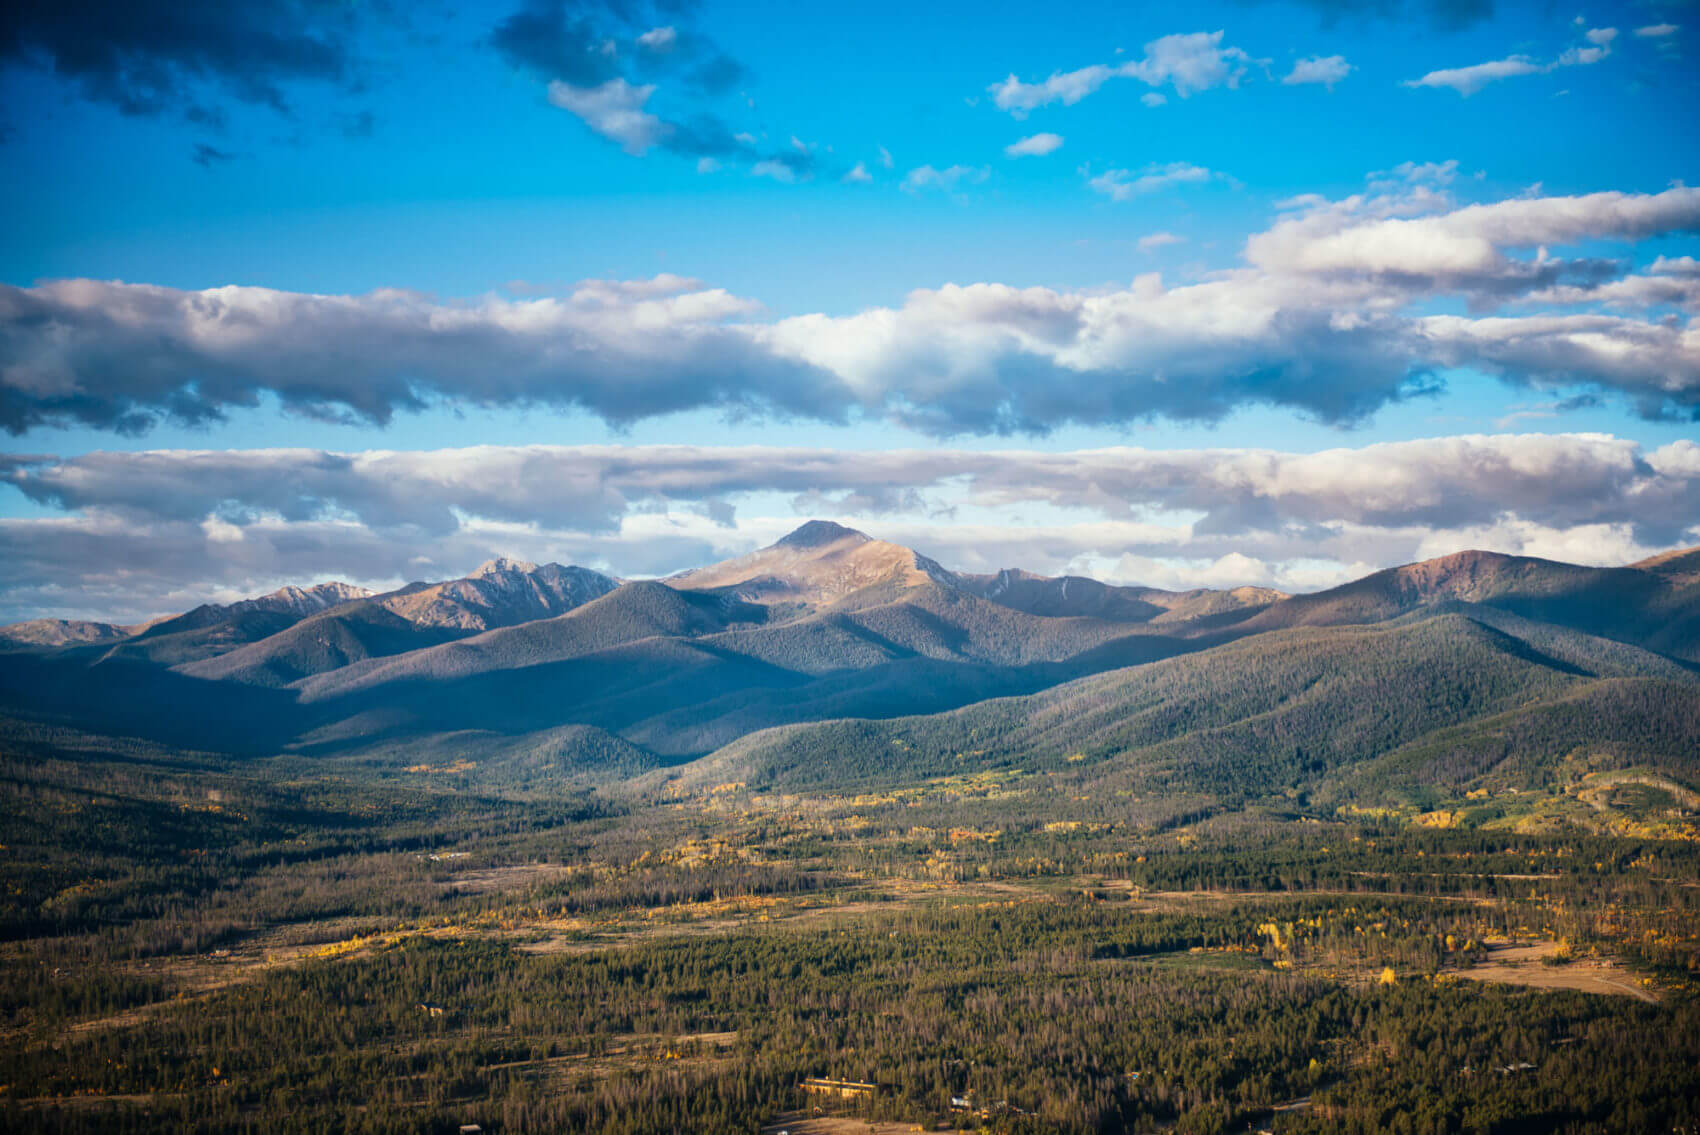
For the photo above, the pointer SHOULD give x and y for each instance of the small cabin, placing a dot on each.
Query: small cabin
(843, 1089)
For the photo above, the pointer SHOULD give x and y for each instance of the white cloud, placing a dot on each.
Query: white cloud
(1153, 99)
(659, 40)
(1329, 313)
(1036, 145)
(1326, 70)
(1187, 63)
(1631, 291)
(1675, 266)
(1468, 245)
(708, 165)
(778, 171)
(926, 177)
(885, 158)
(1152, 241)
(1066, 87)
(135, 533)
(1190, 63)
(1657, 31)
(1440, 173)
(614, 109)
(1651, 362)
(858, 173)
(1124, 185)
(1468, 80)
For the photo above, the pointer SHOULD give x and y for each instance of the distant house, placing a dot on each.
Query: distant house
(843, 1089)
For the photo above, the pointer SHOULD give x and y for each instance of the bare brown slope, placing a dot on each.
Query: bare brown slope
(1681, 566)
(818, 564)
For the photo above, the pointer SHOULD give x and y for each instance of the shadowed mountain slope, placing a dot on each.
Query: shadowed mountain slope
(1278, 711)
(1077, 595)
(831, 658)
(633, 612)
(501, 593)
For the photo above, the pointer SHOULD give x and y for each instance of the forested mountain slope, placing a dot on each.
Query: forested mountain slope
(1281, 711)
(1648, 606)
(834, 658)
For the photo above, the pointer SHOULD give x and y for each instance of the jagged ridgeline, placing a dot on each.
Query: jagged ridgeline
(832, 659)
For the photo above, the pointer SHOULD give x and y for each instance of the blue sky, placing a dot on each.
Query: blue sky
(1200, 253)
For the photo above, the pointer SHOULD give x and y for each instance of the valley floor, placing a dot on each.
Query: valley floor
(197, 944)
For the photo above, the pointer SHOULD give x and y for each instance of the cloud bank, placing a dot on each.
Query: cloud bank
(134, 533)
(1331, 314)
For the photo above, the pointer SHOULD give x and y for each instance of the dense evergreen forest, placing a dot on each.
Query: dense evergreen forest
(194, 942)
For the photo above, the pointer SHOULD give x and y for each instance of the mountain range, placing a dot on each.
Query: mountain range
(831, 658)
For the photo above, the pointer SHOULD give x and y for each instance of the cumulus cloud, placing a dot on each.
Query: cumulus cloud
(1675, 266)
(1186, 63)
(614, 109)
(1036, 145)
(158, 527)
(1652, 363)
(1657, 31)
(1326, 70)
(1190, 63)
(1466, 247)
(1330, 314)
